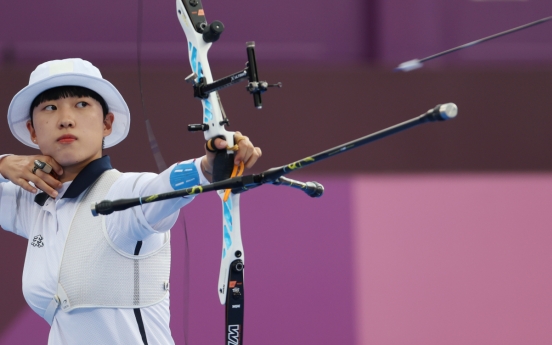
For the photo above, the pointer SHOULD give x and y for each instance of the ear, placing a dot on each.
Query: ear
(108, 124)
(32, 131)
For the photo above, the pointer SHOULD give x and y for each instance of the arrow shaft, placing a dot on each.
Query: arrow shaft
(504, 33)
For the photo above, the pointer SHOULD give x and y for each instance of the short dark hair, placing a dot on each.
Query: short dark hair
(65, 92)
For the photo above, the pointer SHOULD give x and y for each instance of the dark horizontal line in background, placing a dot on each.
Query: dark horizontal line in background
(502, 52)
(157, 50)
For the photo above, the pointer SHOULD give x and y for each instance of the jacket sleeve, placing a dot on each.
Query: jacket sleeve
(141, 222)
(12, 207)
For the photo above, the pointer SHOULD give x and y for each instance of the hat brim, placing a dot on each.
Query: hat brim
(18, 112)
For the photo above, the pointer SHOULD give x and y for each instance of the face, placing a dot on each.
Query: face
(70, 130)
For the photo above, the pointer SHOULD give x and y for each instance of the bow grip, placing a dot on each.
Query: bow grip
(223, 163)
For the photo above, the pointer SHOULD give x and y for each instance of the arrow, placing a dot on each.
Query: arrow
(418, 63)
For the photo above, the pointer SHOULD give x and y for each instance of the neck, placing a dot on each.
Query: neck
(70, 172)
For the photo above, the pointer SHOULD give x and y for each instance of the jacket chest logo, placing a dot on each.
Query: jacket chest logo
(38, 241)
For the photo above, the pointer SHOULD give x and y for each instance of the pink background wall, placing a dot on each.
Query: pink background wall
(453, 259)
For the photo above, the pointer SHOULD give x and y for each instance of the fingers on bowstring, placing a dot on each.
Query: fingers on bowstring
(58, 169)
(48, 182)
(45, 182)
(49, 179)
(55, 165)
(21, 182)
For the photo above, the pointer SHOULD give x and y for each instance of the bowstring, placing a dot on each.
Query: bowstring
(186, 281)
(161, 165)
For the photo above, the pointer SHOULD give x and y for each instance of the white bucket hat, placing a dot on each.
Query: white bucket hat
(68, 72)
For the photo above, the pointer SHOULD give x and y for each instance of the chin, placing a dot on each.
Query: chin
(73, 157)
(65, 159)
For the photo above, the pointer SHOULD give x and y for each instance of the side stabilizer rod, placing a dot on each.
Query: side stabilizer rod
(441, 112)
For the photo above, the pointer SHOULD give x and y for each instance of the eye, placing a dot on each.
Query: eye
(50, 107)
(82, 104)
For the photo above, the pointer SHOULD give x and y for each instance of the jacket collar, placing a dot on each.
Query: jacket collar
(84, 179)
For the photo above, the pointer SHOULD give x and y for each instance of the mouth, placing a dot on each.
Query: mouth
(66, 139)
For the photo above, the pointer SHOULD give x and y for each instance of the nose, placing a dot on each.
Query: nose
(66, 119)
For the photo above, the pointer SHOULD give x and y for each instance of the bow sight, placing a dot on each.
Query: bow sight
(202, 89)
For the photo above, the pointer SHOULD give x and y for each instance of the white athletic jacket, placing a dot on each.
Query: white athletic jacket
(47, 226)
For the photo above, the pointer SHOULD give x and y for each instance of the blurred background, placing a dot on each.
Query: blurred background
(438, 235)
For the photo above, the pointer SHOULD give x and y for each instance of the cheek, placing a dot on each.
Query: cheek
(94, 130)
(41, 129)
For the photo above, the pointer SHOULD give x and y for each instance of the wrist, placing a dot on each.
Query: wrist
(2, 177)
(206, 170)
